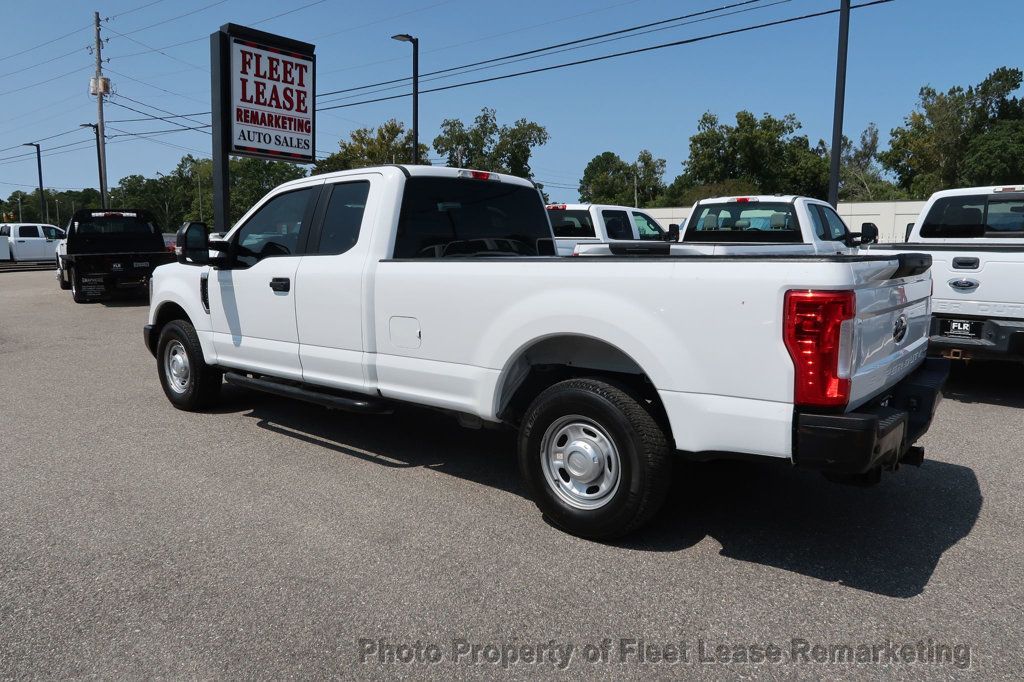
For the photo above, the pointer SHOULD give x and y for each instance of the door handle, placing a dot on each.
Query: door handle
(21, 241)
(966, 263)
(281, 284)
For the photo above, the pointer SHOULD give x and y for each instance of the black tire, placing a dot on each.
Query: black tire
(76, 288)
(62, 280)
(645, 464)
(202, 388)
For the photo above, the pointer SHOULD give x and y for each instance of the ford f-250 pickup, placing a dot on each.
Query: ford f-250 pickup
(360, 289)
(976, 239)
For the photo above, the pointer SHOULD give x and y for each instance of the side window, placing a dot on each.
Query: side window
(340, 230)
(5, 231)
(617, 224)
(646, 227)
(820, 228)
(1004, 218)
(274, 229)
(836, 228)
(52, 232)
(28, 231)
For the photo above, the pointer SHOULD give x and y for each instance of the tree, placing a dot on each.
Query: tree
(766, 153)
(927, 153)
(485, 145)
(860, 178)
(680, 193)
(388, 143)
(608, 179)
(996, 157)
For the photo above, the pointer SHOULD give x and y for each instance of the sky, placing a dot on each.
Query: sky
(158, 53)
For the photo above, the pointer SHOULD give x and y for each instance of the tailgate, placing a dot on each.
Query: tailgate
(890, 331)
(978, 282)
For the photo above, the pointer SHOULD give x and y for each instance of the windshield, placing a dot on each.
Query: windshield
(975, 215)
(574, 223)
(460, 217)
(755, 221)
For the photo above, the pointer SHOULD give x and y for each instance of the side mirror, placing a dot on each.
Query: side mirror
(910, 228)
(869, 233)
(191, 245)
(673, 233)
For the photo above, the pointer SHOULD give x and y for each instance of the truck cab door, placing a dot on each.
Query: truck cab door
(29, 244)
(252, 298)
(329, 306)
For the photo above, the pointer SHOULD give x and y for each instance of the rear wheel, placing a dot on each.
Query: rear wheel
(596, 460)
(188, 382)
(76, 287)
(62, 278)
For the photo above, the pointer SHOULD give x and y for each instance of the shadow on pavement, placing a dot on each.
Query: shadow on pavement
(991, 383)
(886, 539)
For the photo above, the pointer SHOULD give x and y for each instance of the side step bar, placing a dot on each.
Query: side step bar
(309, 394)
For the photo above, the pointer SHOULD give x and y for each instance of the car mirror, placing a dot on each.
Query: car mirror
(869, 233)
(673, 233)
(218, 244)
(191, 245)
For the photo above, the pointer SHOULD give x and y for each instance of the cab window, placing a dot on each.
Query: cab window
(28, 231)
(5, 231)
(52, 232)
(835, 228)
(571, 223)
(345, 209)
(275, 228)
(647, 228)
(617, 224)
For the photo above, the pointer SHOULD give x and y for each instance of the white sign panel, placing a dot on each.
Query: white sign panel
(272, 102)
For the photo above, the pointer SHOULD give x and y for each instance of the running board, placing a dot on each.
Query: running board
(310, 395)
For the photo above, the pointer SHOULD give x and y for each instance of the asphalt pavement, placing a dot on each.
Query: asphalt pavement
(272, 539)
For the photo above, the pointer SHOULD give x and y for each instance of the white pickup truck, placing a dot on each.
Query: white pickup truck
(976, 239)
(29, 241)
(360, 289)
(576, 224)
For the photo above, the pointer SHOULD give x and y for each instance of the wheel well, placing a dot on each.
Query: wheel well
(558, 358)
(167, 313)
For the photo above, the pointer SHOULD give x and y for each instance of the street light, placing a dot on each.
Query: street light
(406, 38)
(39, 165)
(99, 162)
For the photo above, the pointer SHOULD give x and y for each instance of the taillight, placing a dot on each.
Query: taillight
(478, 175)
(818, 331)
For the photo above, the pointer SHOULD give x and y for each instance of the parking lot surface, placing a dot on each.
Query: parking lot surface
(272, 538)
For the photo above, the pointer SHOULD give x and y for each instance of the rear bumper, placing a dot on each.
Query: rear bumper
(1000, 339)
(878, 435)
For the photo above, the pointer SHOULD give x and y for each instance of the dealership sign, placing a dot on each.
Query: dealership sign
(267, 95)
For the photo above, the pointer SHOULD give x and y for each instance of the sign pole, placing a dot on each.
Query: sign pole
(220, 98)
(837, 111)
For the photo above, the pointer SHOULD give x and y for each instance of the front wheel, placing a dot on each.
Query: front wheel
(596, 460)
(188, 382)
(76, 288)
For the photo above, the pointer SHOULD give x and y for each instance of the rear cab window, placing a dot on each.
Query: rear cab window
(747, 222)
(571, 223)
(460, 217)
(975, 216)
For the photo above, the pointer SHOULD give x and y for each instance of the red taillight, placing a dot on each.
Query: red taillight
(820, 343)
(556, 207)
(477, 175)
(742, 200)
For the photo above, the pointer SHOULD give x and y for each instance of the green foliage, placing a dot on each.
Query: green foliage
(860, 178)
(485, 145)
(996, 157)
(608, 179)
(59, 205)
(766, 153)
(929, 151)
(679, 193)
(388, 143)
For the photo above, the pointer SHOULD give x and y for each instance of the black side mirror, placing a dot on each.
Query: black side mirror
(192, 244)
(869, 233)
(910, 228)
(673, 233)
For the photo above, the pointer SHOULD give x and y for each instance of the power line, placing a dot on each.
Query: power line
(549, 47)
(44, 82)
(51, 59)
(614, 55)
(156, 49)
(150, 139)
(139, 111)
(550, 51)
(158, 118)
(44, 43)
(161, 132)
(134, 9)
(180, 16)
(157, 87)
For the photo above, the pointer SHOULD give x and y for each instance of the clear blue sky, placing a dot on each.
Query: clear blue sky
(650, 100)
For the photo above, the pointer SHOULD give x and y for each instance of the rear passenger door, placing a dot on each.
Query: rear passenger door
(29, 244)
(329, 308)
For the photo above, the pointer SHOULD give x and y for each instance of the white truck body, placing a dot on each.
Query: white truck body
(575, 224)
(400, 318)
(975, 236)
(29, 241)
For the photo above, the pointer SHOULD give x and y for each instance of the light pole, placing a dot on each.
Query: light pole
(57, 201)
(406, 38)
(99, 162)
(39, 165)
(837, 112)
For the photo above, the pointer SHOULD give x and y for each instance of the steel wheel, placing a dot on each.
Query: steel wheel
(176, 367)
(580, 462)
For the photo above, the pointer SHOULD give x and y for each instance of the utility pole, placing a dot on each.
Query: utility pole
(20, 219)
(57, 201)
(636, 200)
(415, 42)
(39, 164)
(100, 86)
(837, 112)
